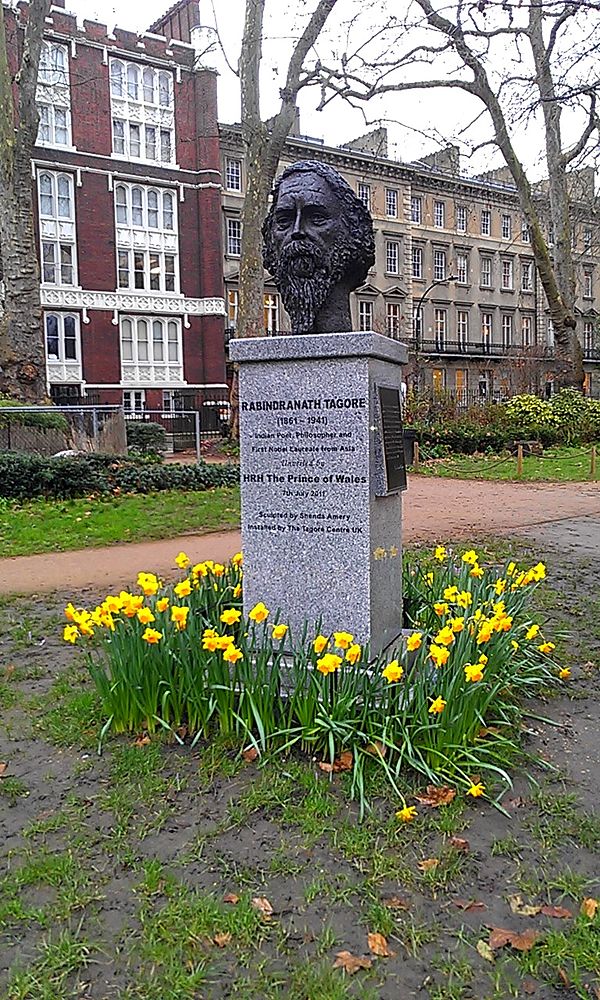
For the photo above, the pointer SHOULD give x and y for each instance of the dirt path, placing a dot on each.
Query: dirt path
(434, 510)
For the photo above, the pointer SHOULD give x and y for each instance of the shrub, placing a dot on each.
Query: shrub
(146, 438)
(590, 427)
(530, 414)
(30, 419)
(569, 408)
(24, 476)
(184, 655)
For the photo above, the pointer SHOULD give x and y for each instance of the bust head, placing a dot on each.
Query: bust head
(318, 245)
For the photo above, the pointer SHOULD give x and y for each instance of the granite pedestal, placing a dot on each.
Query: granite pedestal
(322, 470)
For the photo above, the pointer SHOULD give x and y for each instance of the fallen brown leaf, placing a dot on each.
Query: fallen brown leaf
(3, 767)
(342, 763)
(460, 844)
(142, 741)
(396, 903)
(437, 795)
(376, 748)
(231, 898)
(485, 951)
(529, 987)
(589, 907)
(469, 904)
(351, 963)
(564, 977)
(488, 731)
(560, 912)
(222, 940)
(250, 754)
(428, 864)
(262, 904)
(523, 909)
(379, 946)
(523, 941)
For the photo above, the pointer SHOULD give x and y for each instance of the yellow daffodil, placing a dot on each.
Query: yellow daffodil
(564, 674)
(329, 663)
(483, 659)
(218, 569)
(182, 560)
(210, 643)
(477, 571)
(279, 631)
(259, 612)
(500, 586)
(353, 653)
(456, 624)
(70, 633)
(319, 644)
(149, 583)
(393, 672)
(451, 593)
(473, 672)
(209, 631)
(152, 636)
(112, 603)
(437, 706)
(162, 604)
(439, 654)
(441, 608)
(510, 570)
(223, 641)
(70, 612)
(407, 815)
(476, 790)
(132, 605)
(470, 557)
(237, 590)
(440, 553)
(145, 616)
(502, 623)
(514, 644)
(179, 616)
(200, 569)
(546, 647)
(445, 636)
(414, 641)
(184, 588)
(485, 633)
(232, 654)
(343, 640)
(231, 616)
(237, 559)
(532, 631)
(539, 571)
(429, 578)
(465, 599)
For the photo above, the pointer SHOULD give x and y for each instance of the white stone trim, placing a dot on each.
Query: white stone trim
(124, 301)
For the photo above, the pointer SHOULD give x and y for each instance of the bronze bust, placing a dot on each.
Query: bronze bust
(318, 245)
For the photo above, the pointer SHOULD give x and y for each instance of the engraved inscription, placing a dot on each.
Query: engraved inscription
(392, 439)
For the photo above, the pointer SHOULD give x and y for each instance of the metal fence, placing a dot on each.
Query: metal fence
(50, 430)
(186, 430)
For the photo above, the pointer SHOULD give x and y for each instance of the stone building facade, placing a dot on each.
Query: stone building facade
(454, 276)
(127, 175)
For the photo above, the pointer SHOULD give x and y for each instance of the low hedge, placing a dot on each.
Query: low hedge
(25, 476)
(144, 437)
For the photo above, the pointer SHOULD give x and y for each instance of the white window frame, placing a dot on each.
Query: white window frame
(366, 312)
(53, 97)
(461, 218)
(587, 238)
(234, 241)
(527, 276)
(416, 209)
(485, 277)
(393, 318)
(58, 232)
(588, 285)
(440, 262)
(142, 111)
(146, 227)
(525, 234)
(417, 262)
(391, 203)
(527, 331)
(487, 329)
(271, 313)
(148, 364)
(485, 228)
(439, 214)
(363, 193)
(507, 330)
(507, 275)
(506, 227)
(61, 368)
(440, 328)
(392, 257)
(462, 328)
(135, 396)
(462, 268)
(233, 173)
(588, 336)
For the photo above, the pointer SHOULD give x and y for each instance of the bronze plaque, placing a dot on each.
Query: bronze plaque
(392, 438)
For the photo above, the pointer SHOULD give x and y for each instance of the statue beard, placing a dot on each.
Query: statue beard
(305, 278)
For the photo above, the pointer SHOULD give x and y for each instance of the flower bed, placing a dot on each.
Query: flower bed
(444, 702)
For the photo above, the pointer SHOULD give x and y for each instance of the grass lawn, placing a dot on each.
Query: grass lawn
(186, 872)
(59, 525)
(563, 465)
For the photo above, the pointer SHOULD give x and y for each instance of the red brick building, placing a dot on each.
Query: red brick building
(127, 173)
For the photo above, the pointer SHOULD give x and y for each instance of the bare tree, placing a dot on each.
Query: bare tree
(264, 142)
(527, 64)
(22, 354)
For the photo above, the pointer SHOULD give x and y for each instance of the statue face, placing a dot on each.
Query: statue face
(307, 222)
